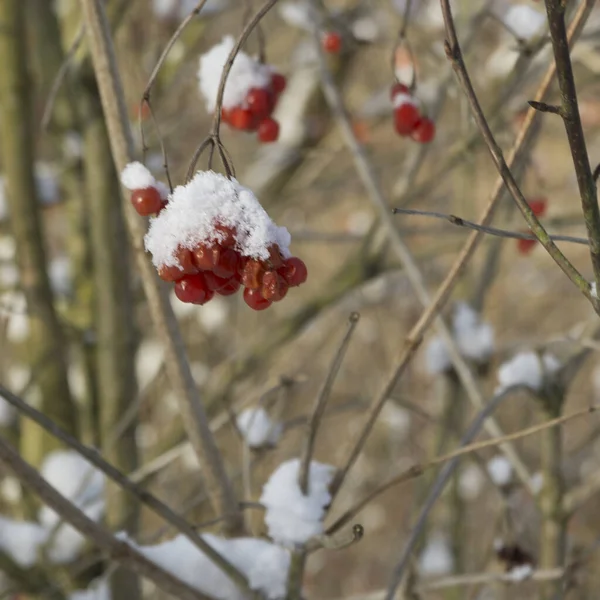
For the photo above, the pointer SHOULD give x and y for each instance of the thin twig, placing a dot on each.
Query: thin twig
(146, 498)
(454, 54)
(460, 222)
(119, 551)
(569, 111)
(193, 412)
(312, 426)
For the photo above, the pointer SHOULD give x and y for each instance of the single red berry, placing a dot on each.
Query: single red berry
(241, 118)
(259, 102)
(331, 42)
(185, 259)
(406, 118)
(278, 83)
(255, 300)
(227, 265)
(147, 201)
(274, 286)
(268, 130)
(227, 235)
(214, 282)
(294, 271)
(252, 274)
(397, 89)
(170, 273)
(230, 288)
(538, 206)
(193, 289)
(526, 246)
(206, 257)
(424, 131)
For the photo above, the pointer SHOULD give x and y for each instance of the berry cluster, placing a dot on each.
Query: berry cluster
(218, 268)
(148, 196)
(408, 120)
(538, 207)
(254, 114)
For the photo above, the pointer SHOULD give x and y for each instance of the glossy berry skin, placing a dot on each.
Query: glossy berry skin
(538, 206)
(193, 289)
(170, 273)
(252, 274)
(259, 101)
(331, 42)
(206, 257)
(424, 132)
(214, 282)
(230, 288)
(227, 263)
(255, 300)
(293, 271)
(241, 118)
(406, 118)
(278, 83)
(397, 89)
(146, 201)
(268, 130)
(274, 287)
(185, 259)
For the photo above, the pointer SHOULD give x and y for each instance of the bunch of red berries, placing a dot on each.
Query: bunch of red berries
(538, 207)
(255, 112)
(408, 120)
(148, 196)
(218, 268)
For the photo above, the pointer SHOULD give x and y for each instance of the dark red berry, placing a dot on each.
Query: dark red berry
(146, 201)
(206, 257)
(214, 282)
(538, 206)
(406, 118)
(526, 246)
(424, 131)
(230, 288)
(331, 42)
(227, 264)
(294, 271)
(185, 259)
(259, 102)
(274, 286)
(193, 289)
(252, 274)
(255, 300)
(268, 130)
(278, 83)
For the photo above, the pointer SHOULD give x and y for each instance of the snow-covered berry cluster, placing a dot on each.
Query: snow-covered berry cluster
(408, 120)
(251, 91)
(538, 207)
(148, 195)
(212, 236)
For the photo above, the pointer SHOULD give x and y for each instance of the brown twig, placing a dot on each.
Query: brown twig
(454, 54)
(178, 369)
(119, 551)
(569, 111)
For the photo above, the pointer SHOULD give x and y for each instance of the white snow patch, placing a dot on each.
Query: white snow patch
(397, 419)
(291, 517)
(99, 589)
(297, 14)
(208, 199)
(524, 21)
(9, 275)
(59, 272)
(401, 99)
(246, 73)
(526, 368)
(257, 427)
(46, 180)
(148, 361)
(135, 176)
(470, 482)
(21, 540)
(10, 490)
(437, 359)
(436, 558)
(475, 339)
(264, 564)
(537, 482)
(500, 470)
(213, 315)
(8, 248)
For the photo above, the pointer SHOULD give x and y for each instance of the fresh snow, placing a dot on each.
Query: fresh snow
(135, 176)
(59, 272)
(99, 589)
(500, 470)
(257, 428)
(524, 21)
(436, 558)
(520, 573)
(437, 359)
(264, 564)
(526, 368)
(193, 210)
(297, 14)
(246, 73)
(21, 540)
(291, 517)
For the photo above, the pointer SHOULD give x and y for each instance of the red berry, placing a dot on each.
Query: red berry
(227, 264)
(227, 234)
(253, 273)
(424, 132)
(226, 116)
(406, 118)
(206, 257)
(259, 102)
(268, 130)
(170, 273)
(397, 89)
(254, 299)
(274, 286)
(230, 288)
(214, 282)
(147, 201)
(278, 83)
(538, 206)
(332, 42)
(294, 271)
(526, 246)
(193, 289)
(185, 259)
(241, 118)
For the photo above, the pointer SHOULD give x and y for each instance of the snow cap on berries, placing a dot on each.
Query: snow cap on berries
(401, 99)
(246, 73)
(135, 176)
(211, 199)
